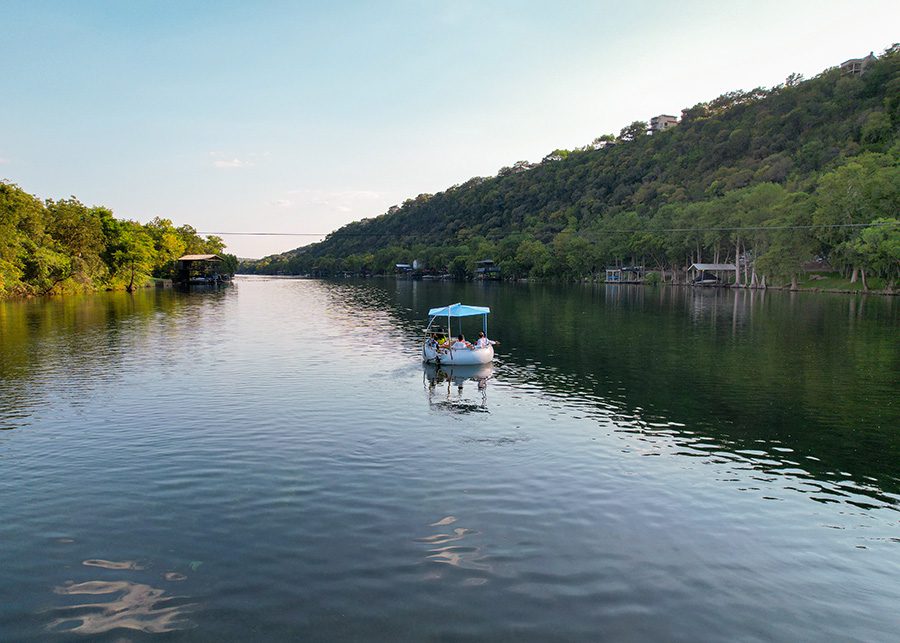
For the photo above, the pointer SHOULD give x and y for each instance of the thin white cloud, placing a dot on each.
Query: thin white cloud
(340, 205)
(224, 161)
(4, 161)
(231, 163)
(343, 201)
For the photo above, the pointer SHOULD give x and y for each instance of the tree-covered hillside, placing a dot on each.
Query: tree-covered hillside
(65, 246)
(767, 176)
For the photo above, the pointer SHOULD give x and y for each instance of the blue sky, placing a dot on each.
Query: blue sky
(299, 117)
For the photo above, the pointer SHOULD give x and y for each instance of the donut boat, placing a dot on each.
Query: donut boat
(435, 352)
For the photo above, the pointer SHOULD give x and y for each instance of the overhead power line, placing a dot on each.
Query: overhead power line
(620, 231)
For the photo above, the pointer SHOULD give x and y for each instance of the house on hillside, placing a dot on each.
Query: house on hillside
(857, 66)
(662, 122)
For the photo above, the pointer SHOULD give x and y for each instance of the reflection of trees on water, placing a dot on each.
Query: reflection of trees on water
(86, 338)
(807, 378)
(811, 374)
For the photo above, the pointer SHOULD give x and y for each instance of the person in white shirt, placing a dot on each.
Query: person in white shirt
(461, 343)
(483, 342)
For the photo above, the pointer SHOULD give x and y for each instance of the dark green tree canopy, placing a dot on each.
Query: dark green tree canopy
(63, 246)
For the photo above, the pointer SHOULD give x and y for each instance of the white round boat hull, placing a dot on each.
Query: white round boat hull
(458, 356)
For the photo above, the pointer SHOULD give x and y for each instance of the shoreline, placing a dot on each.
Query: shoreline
(529, 280)
(155, 285)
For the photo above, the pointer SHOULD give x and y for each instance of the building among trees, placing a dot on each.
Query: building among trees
(487, 270)
(857, 66)
(625, 275)
(713, 274)
(662, 122)
(201, 269)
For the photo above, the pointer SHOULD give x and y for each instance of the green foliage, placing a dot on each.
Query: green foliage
(21, 224)
(816, 152)
(878, 248)
(865, 189)
(135, 256)
(790, 244)
(65, 246)
(634, 131)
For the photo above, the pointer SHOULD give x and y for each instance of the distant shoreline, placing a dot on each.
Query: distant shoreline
(530, 280)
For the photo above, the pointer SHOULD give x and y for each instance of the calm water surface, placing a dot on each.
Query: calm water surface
(273, 461)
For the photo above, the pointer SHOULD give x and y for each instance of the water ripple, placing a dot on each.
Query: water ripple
(133, 606)
(635, 464)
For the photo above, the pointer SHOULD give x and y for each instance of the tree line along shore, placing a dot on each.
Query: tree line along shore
(768, 179)
(55, 247)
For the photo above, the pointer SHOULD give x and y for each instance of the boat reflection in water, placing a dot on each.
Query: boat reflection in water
(456, 376)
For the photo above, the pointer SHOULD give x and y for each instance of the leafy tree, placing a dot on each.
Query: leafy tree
(791, 244)
(21, 226)
(862, 190)
(636, 130)
(877, 130)
(78, 233)
(532, 258)
(168, 244)
(45, 268)
(878, 247)
(136, 254)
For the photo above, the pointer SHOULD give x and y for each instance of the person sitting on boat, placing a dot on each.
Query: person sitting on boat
(461, 342)
(483, 342)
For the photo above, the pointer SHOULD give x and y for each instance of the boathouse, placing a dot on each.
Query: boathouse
(487, 270)
(199, 269)
(713, 274)
(625, 275)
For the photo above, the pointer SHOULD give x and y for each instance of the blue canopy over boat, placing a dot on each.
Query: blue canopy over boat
(459, 310)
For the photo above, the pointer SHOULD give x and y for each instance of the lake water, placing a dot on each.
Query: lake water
(272, 461)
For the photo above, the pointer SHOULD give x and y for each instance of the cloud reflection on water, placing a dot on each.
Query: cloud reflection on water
(111, 564)
(460, 556)
(137, 607)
